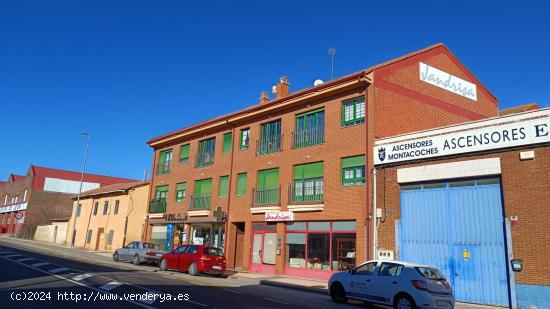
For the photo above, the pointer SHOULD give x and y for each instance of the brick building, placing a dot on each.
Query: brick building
(283, 186)
(474, 200)
(41, 195)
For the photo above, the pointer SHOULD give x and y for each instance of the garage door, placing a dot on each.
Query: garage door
(458, 227)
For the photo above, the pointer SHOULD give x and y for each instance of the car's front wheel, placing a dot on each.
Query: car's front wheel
(337, 293)
(162, 265)
(404, 301)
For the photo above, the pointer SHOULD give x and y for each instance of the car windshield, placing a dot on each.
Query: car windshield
(151, 246)
(431, 273)
(213, 251)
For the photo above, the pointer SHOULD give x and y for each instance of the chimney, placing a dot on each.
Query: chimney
(264, 97)
(282, 88)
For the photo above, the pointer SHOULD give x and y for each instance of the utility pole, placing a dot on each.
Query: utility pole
(73, 224)
(331, 52)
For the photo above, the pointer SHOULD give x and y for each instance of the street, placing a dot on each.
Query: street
(38, 280)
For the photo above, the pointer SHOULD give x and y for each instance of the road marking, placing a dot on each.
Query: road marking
(12, 255)
(57, 270)
(277, 301)
(40, 264)
(82, 277)
(196, 283)
(76, 282)
(236, 292)
(25, 259)
(111, 285)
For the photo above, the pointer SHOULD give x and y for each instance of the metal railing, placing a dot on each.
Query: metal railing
(269, 145)
(199, 202)
(266, 196)
(307, 191)
(308, 137)
(204, 159)
(157, 206)
(164, 167)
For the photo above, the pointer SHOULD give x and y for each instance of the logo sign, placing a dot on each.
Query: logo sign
(19, 216)
(279, 216)
(447, 81)
(174, 217)
(15, 207)
(520, 133)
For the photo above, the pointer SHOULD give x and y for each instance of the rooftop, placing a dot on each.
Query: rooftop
(114, 188)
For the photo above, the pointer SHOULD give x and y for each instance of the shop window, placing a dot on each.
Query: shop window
(343, 226)
(296, 226)
(343, 251)
(319, 226)
(318, 251)
(296, 250)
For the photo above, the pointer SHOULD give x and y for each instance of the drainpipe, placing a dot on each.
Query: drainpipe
(374, 217)
(229, 194)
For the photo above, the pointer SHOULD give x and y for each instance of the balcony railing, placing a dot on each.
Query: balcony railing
(269, 145)
(204, 159)
(157, 206)
(200, 202)
(309, 137)
(266, 196)
(164, 167)
(306, 191)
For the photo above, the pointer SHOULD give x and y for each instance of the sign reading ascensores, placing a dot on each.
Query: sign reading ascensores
(447, 81)
(499, 136)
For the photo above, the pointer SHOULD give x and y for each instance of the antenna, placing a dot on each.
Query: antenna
(331, 52)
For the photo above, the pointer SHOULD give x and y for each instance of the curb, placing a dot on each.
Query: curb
(293, 287)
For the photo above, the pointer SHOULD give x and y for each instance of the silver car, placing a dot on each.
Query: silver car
(139, 252)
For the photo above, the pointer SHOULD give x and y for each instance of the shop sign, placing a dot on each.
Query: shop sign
(16, 207)
(519, 133)
(174, 217)
(447, 81)
(279, 216)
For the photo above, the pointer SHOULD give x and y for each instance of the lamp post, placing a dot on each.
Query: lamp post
(80, 188)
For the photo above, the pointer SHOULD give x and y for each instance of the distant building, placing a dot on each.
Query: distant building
(109, 216)
(41, 195)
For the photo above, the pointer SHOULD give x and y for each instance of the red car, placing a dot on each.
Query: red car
(195, 259)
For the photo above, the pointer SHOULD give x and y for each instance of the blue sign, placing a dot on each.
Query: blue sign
(169, 228)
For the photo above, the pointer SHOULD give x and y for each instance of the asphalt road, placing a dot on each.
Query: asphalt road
(35, 279)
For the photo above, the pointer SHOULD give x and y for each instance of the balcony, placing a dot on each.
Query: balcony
(306, 195)
(266, 196)
(163, 167)
(200, 202)
(157, 206)
(204, 159)
(304, 138)
(269, 145)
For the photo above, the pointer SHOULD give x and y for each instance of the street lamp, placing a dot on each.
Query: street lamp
(80, 188)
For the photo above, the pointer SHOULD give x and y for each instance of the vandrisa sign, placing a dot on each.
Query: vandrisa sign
(447, 81)
(493, 137)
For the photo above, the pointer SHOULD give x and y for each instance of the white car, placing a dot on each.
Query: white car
(399, 284)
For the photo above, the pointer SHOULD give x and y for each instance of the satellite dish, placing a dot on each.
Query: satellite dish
(274, 89)
(317, 82)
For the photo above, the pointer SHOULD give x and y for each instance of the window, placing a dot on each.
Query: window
(224, 186)
(184, 153)
(106, 207)
(89, 237)
(227, 142)
(180, 249)
(270, 137)
(353, 170)
(165, 160)
(78, 210)
(180, 191)
(245, 138)
(205, 156)
(320, 245)
(353, 112)
(161, 192)
(310, 129)
(390, 270)
(110, 237)
(241, 184)
(202, 194)
(96, 205)
(267, 190)
(117, 204)
(366, 269)
(308, 182)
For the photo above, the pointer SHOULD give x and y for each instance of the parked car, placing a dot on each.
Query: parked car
(195, 259)
(400, 284)
(139, 252)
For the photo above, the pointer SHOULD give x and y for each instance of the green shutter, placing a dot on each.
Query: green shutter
(268, 179)
(310, 170)
(241, 184)
(162, 188)
(353, 161)
(227, 142)
(184, 153)
(203, 187)
(180, 186)
(224, 186)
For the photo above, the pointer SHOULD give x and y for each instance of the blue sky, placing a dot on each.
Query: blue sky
(126, 71)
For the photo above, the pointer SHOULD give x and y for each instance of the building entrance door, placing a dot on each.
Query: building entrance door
(100, 241)
(264, 244)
